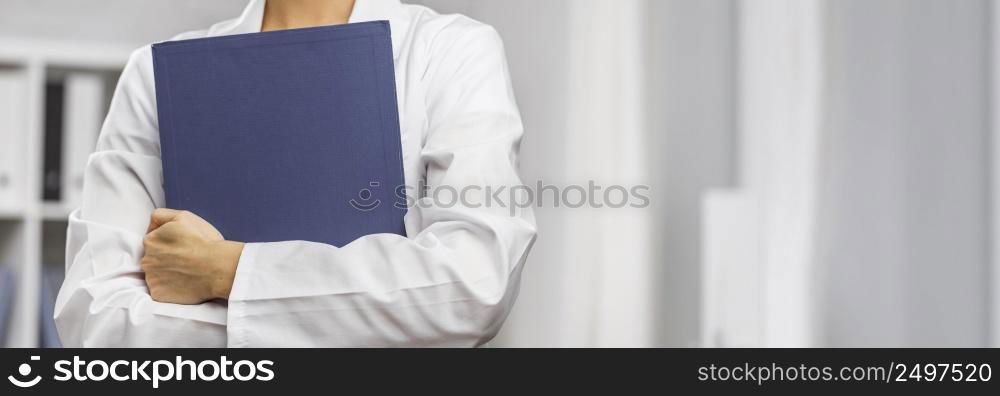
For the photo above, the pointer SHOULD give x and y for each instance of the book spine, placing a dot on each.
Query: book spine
(165, 122)
(84, 101)
(7, 292)
(52, 154)
(13, 129)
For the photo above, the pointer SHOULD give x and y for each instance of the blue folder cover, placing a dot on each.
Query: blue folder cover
(285, 135)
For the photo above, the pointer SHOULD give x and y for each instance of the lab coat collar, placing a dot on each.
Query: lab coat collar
(364, 10)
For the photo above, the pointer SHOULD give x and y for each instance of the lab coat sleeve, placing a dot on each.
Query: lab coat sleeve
(453, 280)
(104, 301)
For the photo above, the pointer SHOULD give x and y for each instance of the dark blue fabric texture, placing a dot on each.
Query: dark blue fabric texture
(283, 136)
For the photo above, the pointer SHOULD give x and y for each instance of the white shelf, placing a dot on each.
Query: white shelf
(7, 214)
(55, 211)
(26, 240)
(63, 54)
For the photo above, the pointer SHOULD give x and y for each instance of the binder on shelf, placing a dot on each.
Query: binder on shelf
(286, 135)
(82, 118)
(53, 141)
(48, 336)
(8, 285)
(13, 135)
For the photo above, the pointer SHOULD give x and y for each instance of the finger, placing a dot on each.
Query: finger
(162, 216)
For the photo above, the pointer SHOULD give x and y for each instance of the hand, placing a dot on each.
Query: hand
(187, 261)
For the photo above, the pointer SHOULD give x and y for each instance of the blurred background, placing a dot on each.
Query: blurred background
(822, 173)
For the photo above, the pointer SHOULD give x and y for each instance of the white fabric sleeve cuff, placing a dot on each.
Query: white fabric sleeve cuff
(235, 326)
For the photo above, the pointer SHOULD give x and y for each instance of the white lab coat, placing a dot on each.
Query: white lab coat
(451, 282)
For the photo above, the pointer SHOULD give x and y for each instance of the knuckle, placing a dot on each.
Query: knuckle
(169, 228)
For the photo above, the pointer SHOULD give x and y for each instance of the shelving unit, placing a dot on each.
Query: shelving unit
(32, 232)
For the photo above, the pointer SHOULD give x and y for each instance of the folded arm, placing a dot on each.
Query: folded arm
(104, 301)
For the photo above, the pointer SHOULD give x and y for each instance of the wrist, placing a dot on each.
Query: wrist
(225, 260)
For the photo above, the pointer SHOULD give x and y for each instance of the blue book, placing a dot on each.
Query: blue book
(285, 135)
(48, 334)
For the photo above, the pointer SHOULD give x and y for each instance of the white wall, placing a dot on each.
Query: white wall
(759, 237)
(905, 186)
(131, 22)
(692, 108)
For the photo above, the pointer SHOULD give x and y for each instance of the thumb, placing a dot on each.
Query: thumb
(162, 216)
